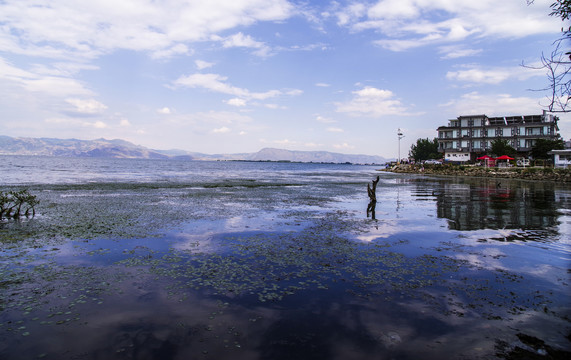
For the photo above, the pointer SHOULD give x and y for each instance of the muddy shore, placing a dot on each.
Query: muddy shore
(531, 173)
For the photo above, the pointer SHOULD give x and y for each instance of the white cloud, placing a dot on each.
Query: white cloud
(165, 111)
(285, 142)
(406, 24)
(333, 129)
(213, 82)
(217, 83)
(55, 86)
(124, 123)
(273, 106)
(63, 69)
(89, 106)
(178, 49)
(79, 29)
(246, 41)
(495, 75)
(350, 14)
(98, 125)
(209, 119)
(388, 9)
(493, 104)
(373, 102)
(343, 146)
(53, 120)
(201, 64)
(455, 52)
(322, 85)
(324, 120)
(74, 122)
(294, 92)
(221, 130)
(479, 76)
(236, 102)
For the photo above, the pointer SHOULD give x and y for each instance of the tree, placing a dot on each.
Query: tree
(424, 149)
(502, 147)
(543, 146)
(12, 203)
(558, 63)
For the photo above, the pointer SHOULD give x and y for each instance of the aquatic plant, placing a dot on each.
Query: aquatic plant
(13, 202)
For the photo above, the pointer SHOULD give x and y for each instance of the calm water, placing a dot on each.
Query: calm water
(18, 170)
(149, 259)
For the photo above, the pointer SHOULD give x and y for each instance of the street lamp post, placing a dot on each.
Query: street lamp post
(400, 136)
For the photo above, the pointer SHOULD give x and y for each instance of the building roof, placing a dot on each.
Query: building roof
(560, 152)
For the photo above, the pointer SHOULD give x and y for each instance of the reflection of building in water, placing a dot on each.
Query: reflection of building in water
(497, 204)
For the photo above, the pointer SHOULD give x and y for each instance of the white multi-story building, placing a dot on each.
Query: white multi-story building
(561, 158)
(471, 136)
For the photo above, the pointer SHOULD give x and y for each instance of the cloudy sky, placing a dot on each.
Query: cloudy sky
(228, 76)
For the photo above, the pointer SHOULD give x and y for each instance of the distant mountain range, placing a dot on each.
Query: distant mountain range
(117, 148)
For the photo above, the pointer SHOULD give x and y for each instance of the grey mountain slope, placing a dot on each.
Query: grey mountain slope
(118, 148)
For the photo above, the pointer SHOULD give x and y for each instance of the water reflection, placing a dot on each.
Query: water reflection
(509, 205)
(289, 281)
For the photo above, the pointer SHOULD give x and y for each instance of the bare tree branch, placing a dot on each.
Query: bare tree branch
(558, 63)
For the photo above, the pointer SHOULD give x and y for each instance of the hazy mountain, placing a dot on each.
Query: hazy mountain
(123, 149)
(269, 154)
(76, 148)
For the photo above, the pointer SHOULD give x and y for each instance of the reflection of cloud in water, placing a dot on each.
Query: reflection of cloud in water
(199, 327)
(387, 228)
(546, 272)
(380, 229)
(481, 262)
(195, 242)
(480, 237)
(142, 319)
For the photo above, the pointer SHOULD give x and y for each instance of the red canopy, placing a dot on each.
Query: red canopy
(504, 157)
(485, 157)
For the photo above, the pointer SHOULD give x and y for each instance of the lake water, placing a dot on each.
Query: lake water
(154, 259)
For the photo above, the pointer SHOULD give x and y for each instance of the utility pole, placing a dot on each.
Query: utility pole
(400, 136)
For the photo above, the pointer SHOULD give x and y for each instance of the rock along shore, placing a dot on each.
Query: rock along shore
(529, 173)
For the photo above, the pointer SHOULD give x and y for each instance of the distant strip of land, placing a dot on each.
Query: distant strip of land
(528, 173)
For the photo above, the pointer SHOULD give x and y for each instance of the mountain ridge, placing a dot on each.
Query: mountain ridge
(118, 148)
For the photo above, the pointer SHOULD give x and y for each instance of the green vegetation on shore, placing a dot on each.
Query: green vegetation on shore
(529, 173)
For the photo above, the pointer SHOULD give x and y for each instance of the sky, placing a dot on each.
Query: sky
(236, 76)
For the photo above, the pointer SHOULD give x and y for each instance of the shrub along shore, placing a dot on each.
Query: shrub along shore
(528, 173)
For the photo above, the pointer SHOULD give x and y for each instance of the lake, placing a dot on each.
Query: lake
(158, 259)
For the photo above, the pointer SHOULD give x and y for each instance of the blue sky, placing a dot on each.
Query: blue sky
(231, 76)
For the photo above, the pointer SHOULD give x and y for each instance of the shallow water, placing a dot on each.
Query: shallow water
(151, 259)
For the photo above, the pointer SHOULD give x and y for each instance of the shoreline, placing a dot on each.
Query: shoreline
(528, 173)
